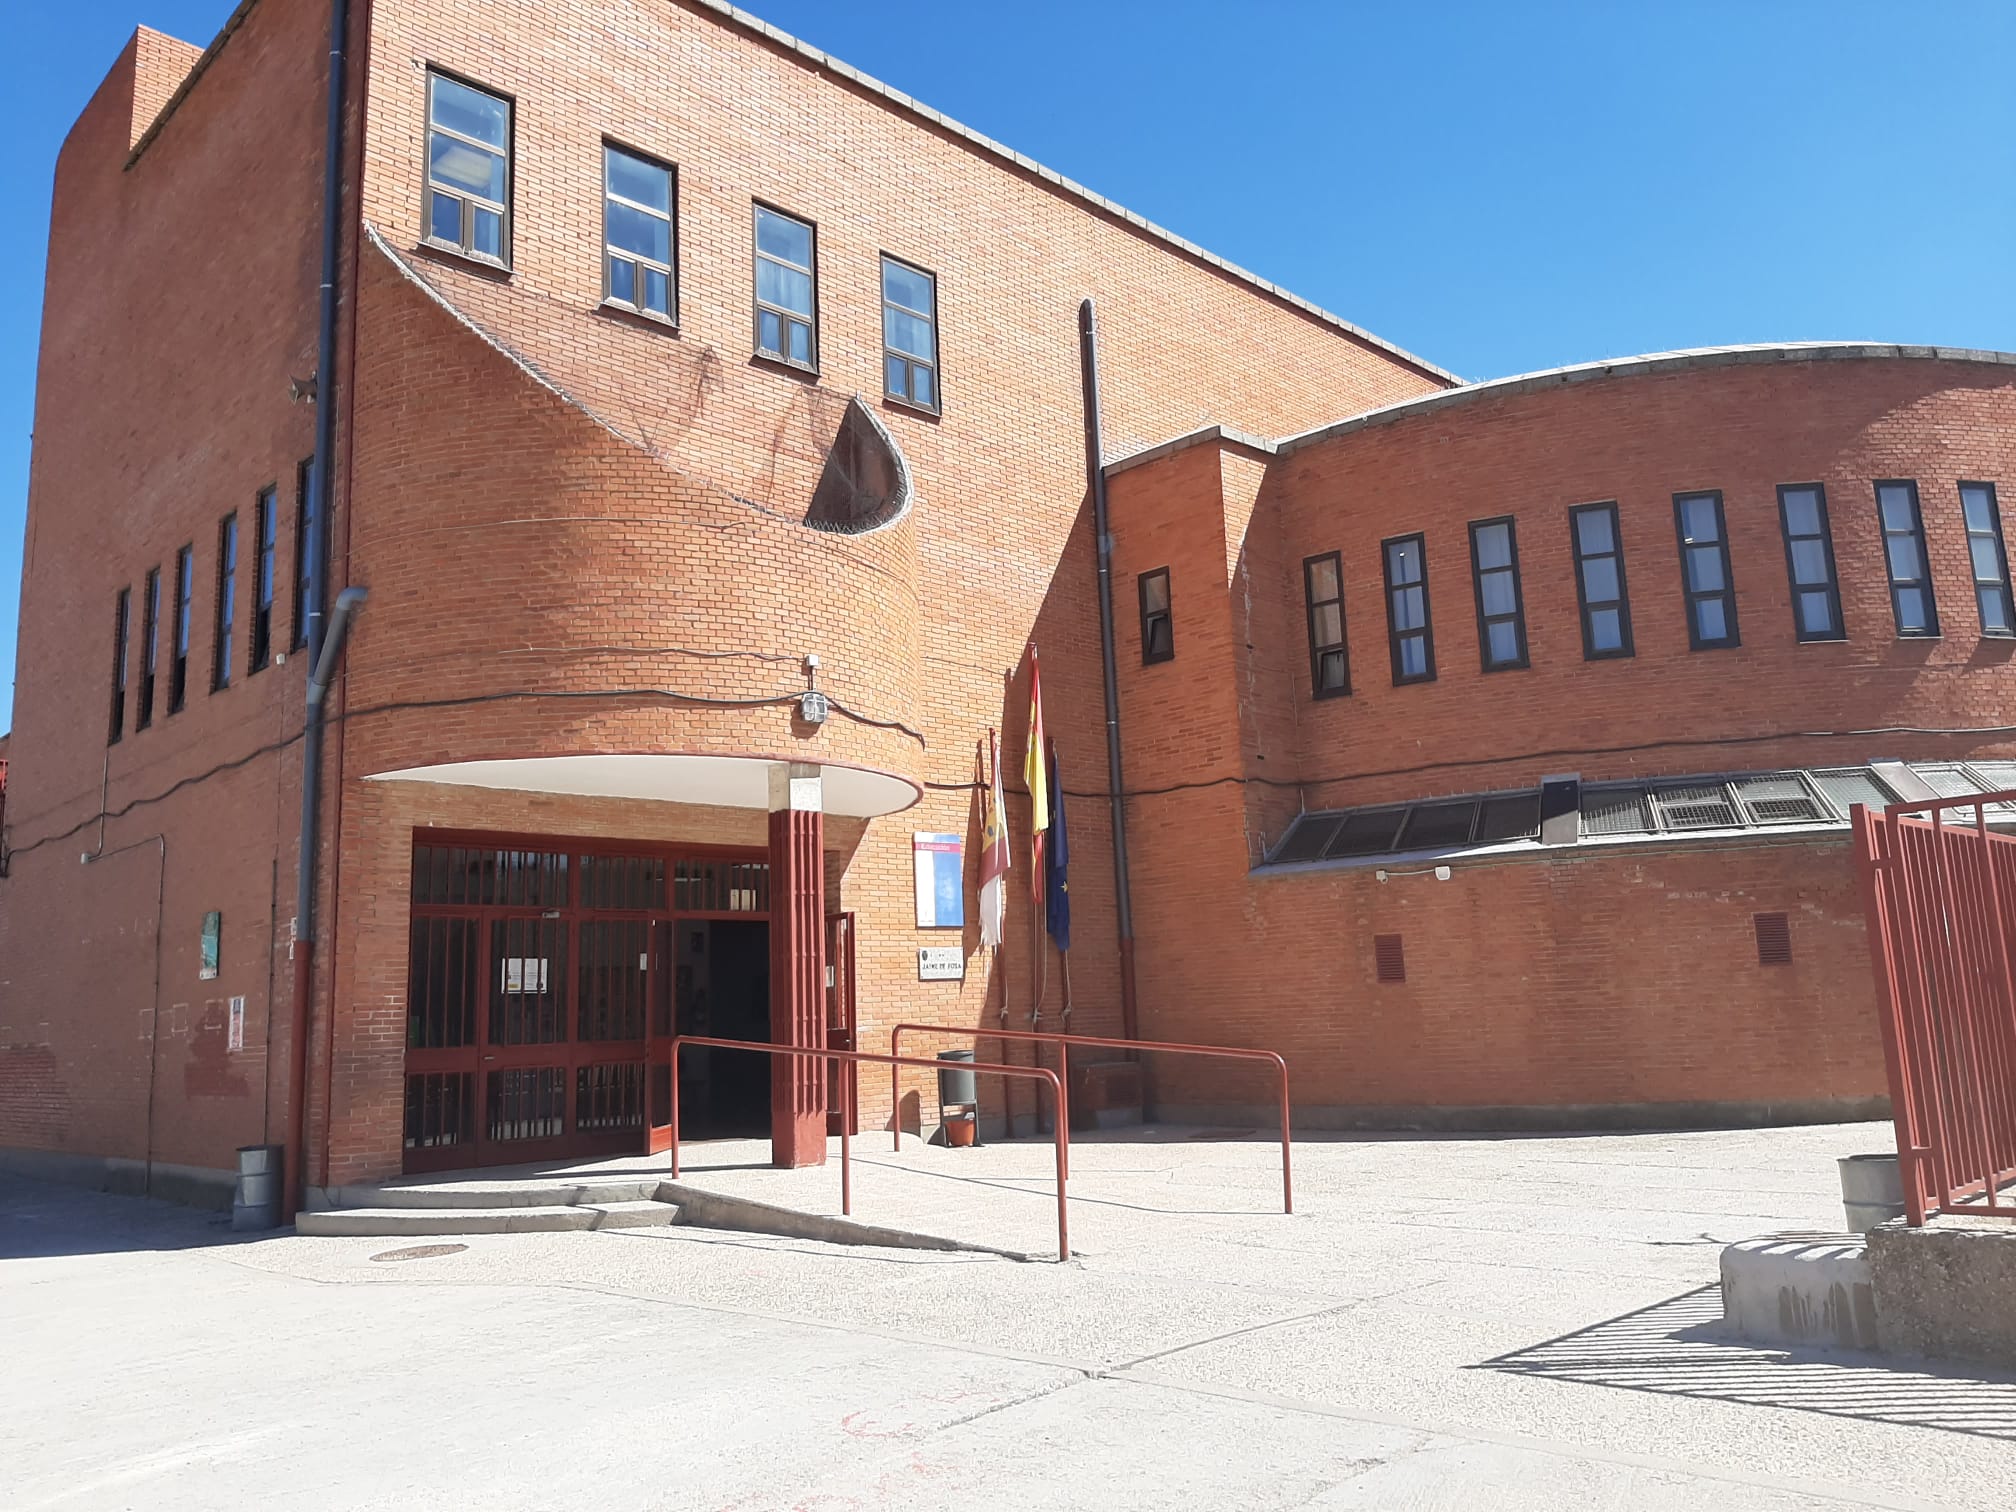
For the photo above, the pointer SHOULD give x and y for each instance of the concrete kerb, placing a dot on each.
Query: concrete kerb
(714, 1210)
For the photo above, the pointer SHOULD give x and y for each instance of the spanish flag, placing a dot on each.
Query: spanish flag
(1036, 773)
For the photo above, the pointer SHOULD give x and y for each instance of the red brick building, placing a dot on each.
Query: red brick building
(673, 370)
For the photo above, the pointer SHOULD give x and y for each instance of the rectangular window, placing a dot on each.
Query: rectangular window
(1809, 562)
(150, 647)
(307, 520)
(1501, 609)
(786, 289)
(1599, 581)
(1329, 659)
(1158, 632)
(1990, 558)
(122, 615)
(909, 333)
(1704, 570)
(639, 233)
(267, 524)
(1407, 628)
(185, 592)
(1904, 557)
(227, 595)
(468, 170)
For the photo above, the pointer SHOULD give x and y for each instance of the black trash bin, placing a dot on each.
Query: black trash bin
(957, 1088)
(256, 1202)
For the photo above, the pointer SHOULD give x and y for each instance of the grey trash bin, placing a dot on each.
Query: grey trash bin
(256, 1202)
(956, 1088)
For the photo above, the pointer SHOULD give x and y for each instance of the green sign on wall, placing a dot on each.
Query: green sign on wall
(213, 934)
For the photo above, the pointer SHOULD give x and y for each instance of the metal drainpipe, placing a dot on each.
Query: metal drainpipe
(1095, 471)
(322, 649)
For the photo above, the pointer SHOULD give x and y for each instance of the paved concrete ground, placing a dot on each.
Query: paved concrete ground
(1457, 1322)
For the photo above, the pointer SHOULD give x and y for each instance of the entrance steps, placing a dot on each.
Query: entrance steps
(486, 1207)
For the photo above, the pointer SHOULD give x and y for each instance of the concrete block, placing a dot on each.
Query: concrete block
(1947, 1290)
(1801, 1289)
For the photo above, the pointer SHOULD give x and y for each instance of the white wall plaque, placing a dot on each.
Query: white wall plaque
(941, 963)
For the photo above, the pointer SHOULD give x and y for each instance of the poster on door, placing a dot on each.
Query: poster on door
(524, 974)
(941, 880)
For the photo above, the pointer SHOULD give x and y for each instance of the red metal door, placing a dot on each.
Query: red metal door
(841, 1022)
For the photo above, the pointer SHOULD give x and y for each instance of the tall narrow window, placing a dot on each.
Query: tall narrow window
(1704, 570)
(1599, 581)
(1904, 556)
(1501, 608)
(1329, 658)
(786, 289)
(307, 520)
(122, 617)
(1407, 629)
(227, 596)
(468, 169)
(909, 333)
(150, 647)
(185, 592)
(1809, 562)
(1158, 632)
(1985, 549)
(262, 607)
(638, 233)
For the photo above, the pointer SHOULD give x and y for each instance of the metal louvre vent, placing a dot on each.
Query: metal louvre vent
(1689, 808)
(1390, 955)
(1779, 800)
(1510, 816)
(1774, 939)
(1438, 824)
(1367, 832)
(1309, 838)
(1615, 811)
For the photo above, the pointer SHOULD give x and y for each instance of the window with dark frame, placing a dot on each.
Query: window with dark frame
(1989, 557)
(640, 233)
(266, 522)
(185, 592)
(306, 522)
(1911, 602)
(150, 647)
(787, 288)
(1809, 562)
(227, 600)
(909, 333)
(122, 617)
(1704, 570)
(1501, 607)
(1410, 636)
(1158, 630)
(1600, 590)
(468, 169)
(1329, 656)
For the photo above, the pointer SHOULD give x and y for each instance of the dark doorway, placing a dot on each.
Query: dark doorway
(722, 989)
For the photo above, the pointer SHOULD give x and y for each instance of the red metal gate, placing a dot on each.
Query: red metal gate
(539, 991)
(1941, 904)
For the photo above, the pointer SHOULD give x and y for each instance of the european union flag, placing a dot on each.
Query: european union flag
(1056, 860)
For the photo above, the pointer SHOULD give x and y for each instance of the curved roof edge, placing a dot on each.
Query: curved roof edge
(757, 26)
(1650, 362)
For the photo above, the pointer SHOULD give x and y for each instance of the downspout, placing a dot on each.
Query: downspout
(322, 649)
(1095, 472)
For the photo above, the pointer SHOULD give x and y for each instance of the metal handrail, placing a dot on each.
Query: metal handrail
(893, 1062)
(1064, 1042)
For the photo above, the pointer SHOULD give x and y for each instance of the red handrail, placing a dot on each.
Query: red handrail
(1064, 1042)
(1041, 1073)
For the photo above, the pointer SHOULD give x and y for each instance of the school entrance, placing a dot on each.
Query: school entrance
(545, 981)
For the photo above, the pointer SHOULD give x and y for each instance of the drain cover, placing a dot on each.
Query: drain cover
(420, 1252)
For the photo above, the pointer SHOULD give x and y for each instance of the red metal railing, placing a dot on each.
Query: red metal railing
(894, 1062)
(1941, 905)
(1064, 1042)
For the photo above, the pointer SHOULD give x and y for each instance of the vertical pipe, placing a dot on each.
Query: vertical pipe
(1095, 472)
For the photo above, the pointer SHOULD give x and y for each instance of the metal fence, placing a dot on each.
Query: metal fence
(1941, 904)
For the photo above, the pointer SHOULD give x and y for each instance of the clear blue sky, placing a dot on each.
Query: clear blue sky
(1496, 186)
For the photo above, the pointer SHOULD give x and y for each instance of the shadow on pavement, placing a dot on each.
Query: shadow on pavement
(41, 1219)
(1678, 1348)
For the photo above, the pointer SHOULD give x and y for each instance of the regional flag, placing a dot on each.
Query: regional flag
(994, 861)
(1057, 885)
